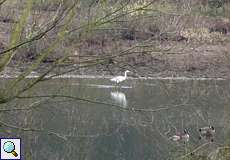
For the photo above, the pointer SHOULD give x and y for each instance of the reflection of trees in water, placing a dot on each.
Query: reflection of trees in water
(128, 143)
(91, 130)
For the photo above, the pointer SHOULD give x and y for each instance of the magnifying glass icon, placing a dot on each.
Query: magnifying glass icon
(9, 147)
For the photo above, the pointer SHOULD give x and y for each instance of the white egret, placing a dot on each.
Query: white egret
(119, 79)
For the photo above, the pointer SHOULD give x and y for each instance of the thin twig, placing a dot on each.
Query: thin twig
(195, 150)
(33, 130)
(38, 36)
(2, 2)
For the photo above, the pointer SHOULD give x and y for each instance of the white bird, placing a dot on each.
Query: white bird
(119, 79)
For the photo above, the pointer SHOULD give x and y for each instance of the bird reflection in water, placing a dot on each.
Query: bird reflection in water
(119, 98)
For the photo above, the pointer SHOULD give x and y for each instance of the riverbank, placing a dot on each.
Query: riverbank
(203, 62)
(192, 45)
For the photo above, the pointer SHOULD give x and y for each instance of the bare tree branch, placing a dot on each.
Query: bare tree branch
(40, 35)
(128, 108)
(2, 2)
(32, 130)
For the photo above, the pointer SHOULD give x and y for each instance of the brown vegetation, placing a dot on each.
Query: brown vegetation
(181, 42)
(221, 27)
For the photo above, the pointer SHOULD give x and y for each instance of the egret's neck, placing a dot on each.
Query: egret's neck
(125, 74)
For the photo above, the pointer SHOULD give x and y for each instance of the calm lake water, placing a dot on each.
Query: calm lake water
(133, 122)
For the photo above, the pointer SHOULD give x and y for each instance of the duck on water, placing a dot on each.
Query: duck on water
(182, 136)
(207, 133)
